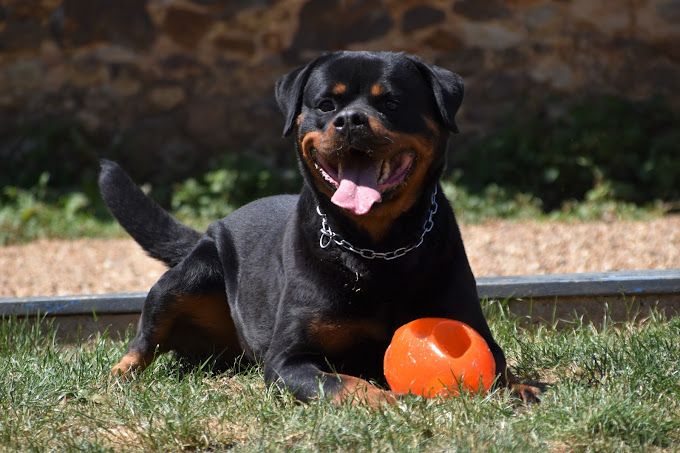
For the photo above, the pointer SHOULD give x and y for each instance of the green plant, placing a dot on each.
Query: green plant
(605, 148)
(40, 211)
(492, 203)
(239, 180)
(497, 202)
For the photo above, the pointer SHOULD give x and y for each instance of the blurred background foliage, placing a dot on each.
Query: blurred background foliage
(603, 148)
(602, 157)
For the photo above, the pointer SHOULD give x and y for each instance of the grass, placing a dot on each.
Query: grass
(615, 388)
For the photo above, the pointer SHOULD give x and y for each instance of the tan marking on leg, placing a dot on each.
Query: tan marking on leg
(358, 391)
(338, 335)
(211, 312)
(131, 362)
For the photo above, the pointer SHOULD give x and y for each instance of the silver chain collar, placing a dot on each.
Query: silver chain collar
(328, 236)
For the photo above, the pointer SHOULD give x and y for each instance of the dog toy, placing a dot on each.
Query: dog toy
(438, 357)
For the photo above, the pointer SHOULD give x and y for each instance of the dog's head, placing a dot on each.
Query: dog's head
(371, 128)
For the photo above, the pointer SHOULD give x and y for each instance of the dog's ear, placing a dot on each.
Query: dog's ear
(447, 88)
(289, 91)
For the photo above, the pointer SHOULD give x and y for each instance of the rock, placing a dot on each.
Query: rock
(181, 66)
(237, 45)
(25, 74)
(86, 73)
(542, 18)
(491, 35)
(167, 97)
(421, 17)
(444, 40)
(126, 79)
(56, 77)
(554, 71)
(482, 11)
(466, 61)
(228, 9)
(126, 86)
(669, 11)
(123, 22)
(610, 17)
(197, 76)
(22, 36)
(659, 27)
(114, 54)
(499, 85)
(332, 25)
(669, 47)
(273, 42)
(186, 23)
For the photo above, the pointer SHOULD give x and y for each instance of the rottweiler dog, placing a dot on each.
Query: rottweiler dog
(314, 285)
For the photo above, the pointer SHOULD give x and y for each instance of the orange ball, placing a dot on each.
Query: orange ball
(436, 356)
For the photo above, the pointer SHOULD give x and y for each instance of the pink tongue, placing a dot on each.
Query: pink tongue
(359, 186)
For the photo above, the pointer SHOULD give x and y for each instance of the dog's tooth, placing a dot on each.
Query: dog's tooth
(384, 171)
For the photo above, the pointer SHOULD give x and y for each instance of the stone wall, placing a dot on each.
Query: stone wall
(189, 80)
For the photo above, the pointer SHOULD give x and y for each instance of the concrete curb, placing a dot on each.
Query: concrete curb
(626, 295)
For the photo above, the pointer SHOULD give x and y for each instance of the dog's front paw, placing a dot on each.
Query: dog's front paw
(131, 362)
(359, 391)
(529, 394)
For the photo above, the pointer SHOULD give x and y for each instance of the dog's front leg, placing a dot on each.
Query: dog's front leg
(307, 381)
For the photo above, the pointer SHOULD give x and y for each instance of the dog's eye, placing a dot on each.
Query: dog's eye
(391, 104)
(326, 106)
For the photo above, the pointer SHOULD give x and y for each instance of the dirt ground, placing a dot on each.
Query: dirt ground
(90, 266)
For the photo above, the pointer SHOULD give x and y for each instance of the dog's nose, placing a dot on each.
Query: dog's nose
(350, 119)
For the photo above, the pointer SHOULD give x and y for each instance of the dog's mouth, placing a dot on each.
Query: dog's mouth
(360, 180)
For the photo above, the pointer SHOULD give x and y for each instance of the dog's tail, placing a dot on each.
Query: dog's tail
(162, 236)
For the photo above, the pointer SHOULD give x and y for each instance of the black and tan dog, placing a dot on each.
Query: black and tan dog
(314, 285)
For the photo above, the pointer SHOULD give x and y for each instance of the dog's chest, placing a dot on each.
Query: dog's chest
(339, 334)
(355, 318)
(351, 345)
